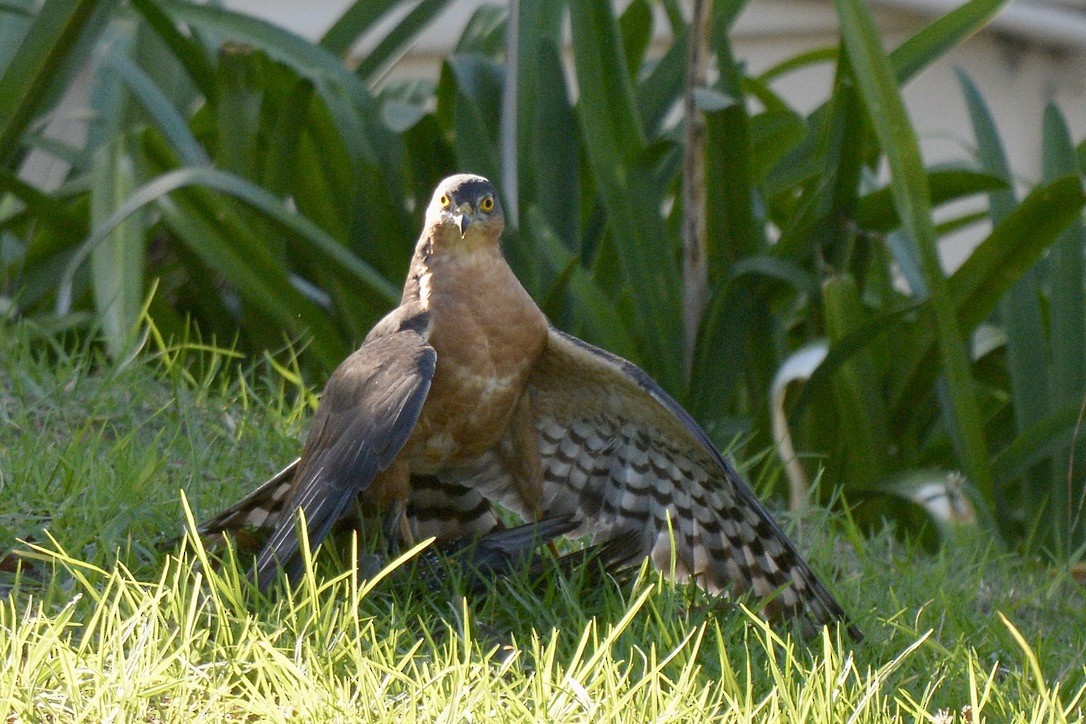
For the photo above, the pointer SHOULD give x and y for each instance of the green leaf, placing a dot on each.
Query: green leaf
(876, 211)
(117, 263)
(354, 23)
(882, 99)
(352, 107)
(214, 233)
(731, 227)
(237, 114)
(607, 100)
(158, 106)
(1013, 247)
(1067, 298)
(772, 135)
(635, 24)
(860, 338)
(589, 313)
(478, 83)
(907, 60)
(833, 157)
(1068, 272)
(485, 32)
(1020, 309)
(397, 41)
(400, 117)
(556, 149)
(799, 62)
(859, 404)
(25, 82)
(1040, 441)
(615, 146)
(285, 136)
(931, 43)
(959, 222)
(319, 241)
(40, 204)
(995, 265)
(661, 88)
(722, 352)
(188, 52)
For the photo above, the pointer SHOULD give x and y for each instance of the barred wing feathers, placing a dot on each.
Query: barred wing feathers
(619, 455)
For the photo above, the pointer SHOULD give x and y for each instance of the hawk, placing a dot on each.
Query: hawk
(464, 396)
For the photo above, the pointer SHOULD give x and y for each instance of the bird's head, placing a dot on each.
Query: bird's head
(466, 205)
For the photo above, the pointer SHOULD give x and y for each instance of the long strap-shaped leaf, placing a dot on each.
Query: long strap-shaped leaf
(615, 142)
(26, 80)
(909, 184)
(248, 192)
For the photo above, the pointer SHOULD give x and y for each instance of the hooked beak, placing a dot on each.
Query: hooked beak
(463, 218)
(463, 221)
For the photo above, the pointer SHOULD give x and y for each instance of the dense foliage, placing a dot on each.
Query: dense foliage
(246, 182)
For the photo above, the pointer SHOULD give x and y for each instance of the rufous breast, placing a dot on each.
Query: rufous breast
(488, 334)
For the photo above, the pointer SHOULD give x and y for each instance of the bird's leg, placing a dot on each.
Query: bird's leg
(523, 461)
(396, 527)
(394, 486)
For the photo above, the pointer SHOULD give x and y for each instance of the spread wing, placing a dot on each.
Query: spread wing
(367, 412)
(619, 455)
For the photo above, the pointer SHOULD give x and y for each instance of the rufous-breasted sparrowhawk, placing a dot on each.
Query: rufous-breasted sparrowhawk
(464, 396)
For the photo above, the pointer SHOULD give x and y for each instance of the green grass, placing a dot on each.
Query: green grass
(102, 626)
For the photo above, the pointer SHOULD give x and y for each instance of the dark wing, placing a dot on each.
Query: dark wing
(367, 412)
(619, 455)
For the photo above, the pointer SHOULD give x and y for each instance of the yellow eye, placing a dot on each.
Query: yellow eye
(445, 202)
(487, 204)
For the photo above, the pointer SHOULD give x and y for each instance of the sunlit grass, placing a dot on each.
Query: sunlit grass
(102, 626)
